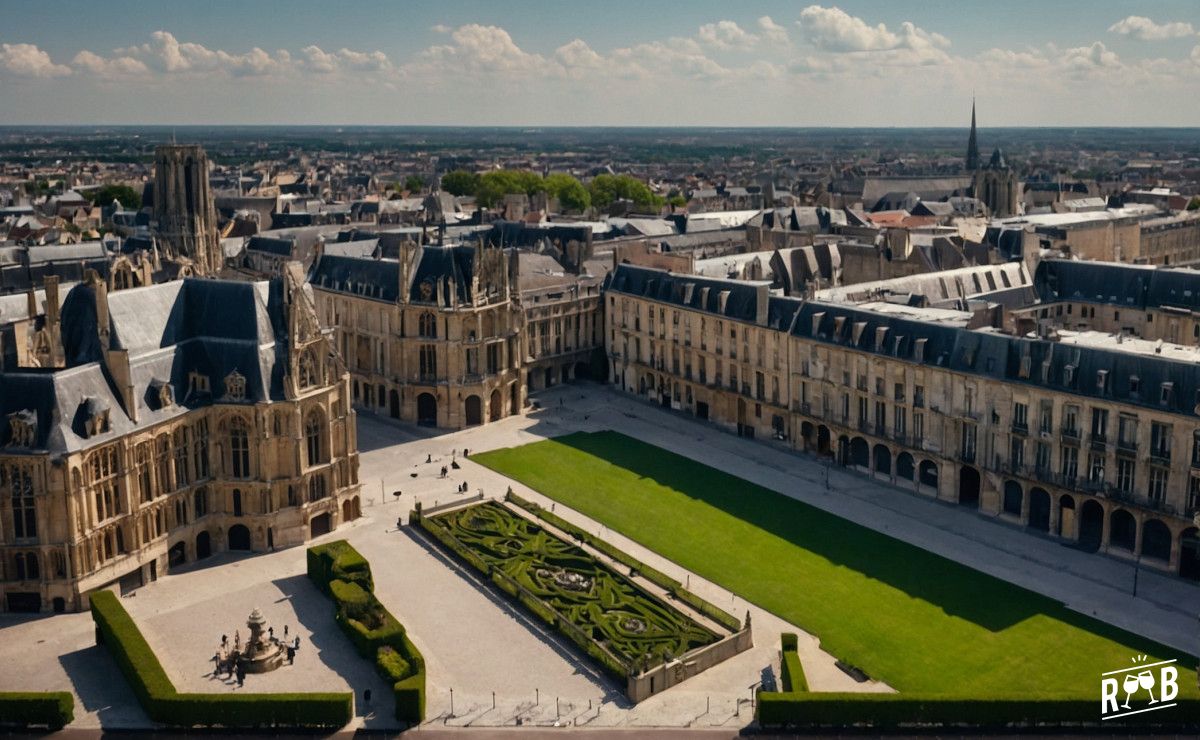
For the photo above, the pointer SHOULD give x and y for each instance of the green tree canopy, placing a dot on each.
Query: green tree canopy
(571, 194)
(460, 182)
(104, 196)
(606, 189)
(414, 183)
(493, 186)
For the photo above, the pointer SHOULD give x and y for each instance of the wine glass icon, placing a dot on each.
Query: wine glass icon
(1130, 684)
(1146, 680)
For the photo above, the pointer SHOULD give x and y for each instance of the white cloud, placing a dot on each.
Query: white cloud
(1013, 58)
(166, 54)
(834, 30)
(315, 59)
(479, 50)
(837, 30)
(27, 60)
(110, 67)
(771, 31)
(1144, 29)
(1096, 56)
(441, 28)
(576, 57)
(726, 35)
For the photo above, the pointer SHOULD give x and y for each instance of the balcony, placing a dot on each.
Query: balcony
(1018, 428)
(1160, 456)
(1127, 446)
(967, 456)
(1098, 441)
(1070, 436)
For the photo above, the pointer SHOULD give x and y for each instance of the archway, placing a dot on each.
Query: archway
(807, 434)
(495, 406)
(177, 555)
(1156, 540)
(1014, 498)
(1091, 525)
(474, 410)
(319, 525)
(843, 450)
(427, 410)
(928, 473)
(860, 452)
(968, 486)
(824, 441)
(904, 466)
(1066, 516)
(347, 511)
(239, 537)
(883, 460)
(203, 545)
(514, 400)
(1122, 530)
(1189, 554)
(1039, 510)
(394, 403)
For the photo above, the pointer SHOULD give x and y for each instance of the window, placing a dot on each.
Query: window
(1193, 502)
(183, 444)
(473, 359)
(1046, 417)
(428, 362)
(899, 420)
(1041, 457)
(919, 428)
(308, 370)
(312, 438)
(968, 442)
(239, 448)
(1127, 430)
(1020, 416)
(27, 566)
(1158, 485)
(1096, 467)
(898, 392)
(20, 487)
(1125, 472)
(1016, 453)
(427, 326)
(316, 488)
(919, 396)
(200, 449)
(1071, 420)
(200, 502)
(237, 502)
(235, 386)
(1070, 462)
(1099, 424)
(1160, 440)
(102, 477)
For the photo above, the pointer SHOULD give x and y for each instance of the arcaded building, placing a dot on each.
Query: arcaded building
(1067, 402)
(192, 417)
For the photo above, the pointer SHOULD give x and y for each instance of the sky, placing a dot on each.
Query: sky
(602, 62)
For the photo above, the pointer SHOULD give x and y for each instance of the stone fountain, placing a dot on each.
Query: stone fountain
(260, 654)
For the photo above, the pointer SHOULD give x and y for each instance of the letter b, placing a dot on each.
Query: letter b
(1168, 679)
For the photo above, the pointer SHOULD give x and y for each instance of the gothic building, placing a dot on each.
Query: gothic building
(191, 417)
(184, 211)
(995, 184)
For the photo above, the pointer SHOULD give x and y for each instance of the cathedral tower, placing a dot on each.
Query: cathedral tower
(183, 208)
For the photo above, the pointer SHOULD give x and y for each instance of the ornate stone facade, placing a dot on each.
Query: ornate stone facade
(184, 211)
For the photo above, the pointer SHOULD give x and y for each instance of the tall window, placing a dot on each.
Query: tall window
(20, 484)
(427, 325)
(428, 362)
(102, 477)
(1158, 485)
(183, 443)
(145, 482)
(200, 450)
(200, 502)
(308, 370)
(312, 438)
(239, 448)
(1125, 470)
(316, 488)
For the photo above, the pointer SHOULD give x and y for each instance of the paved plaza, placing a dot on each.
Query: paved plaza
(489, 664)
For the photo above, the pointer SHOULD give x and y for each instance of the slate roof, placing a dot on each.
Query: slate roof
(660, 285)
(372, 278)
(1137, 286)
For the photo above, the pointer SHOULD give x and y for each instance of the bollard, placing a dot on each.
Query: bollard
(451, 702)
(537, 697)
(493, 700)
(557, 709)
(707, 704)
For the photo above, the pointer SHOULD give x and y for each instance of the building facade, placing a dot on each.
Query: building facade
(192, 417)
(184, 210)
(1069, 432)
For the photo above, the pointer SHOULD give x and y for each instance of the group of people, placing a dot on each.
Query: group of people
(230, 660)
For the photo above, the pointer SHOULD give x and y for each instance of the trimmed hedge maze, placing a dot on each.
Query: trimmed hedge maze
(611, 611)
(345, 576)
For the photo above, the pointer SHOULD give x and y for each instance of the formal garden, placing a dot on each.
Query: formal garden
(618, 622)
(940, 633)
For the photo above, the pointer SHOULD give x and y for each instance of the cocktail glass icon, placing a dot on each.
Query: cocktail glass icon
(1146, 680)
(1130, 684)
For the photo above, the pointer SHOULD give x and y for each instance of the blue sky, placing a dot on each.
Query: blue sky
(606, 63)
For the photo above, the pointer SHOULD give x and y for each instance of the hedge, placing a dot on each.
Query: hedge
(791, 670)
(157, 695)
(655, 576)
(345, 576)
(26, 709)
(888, 711)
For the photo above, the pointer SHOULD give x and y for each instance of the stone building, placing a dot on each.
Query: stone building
(184, 210)
(985, 388)
(453, 336)
(192, 417)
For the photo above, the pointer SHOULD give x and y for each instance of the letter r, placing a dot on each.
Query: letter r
(1108, 695)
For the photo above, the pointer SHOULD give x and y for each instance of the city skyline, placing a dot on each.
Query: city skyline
(864, 64)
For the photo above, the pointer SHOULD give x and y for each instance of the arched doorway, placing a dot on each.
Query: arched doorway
(1014, 498)
(474, 410)
(883, 460)
(1122, 530)
(347, 511)
(1156, 540)
(394, 403)
(1189, 554)
(1066, 517)
(904, 466)
(239, 537)
(824, 446)
(1091, 525)
(1039, 510)
(495, 406)
(928, 474)
(319, 525)
(427, 410)
(807, 434)
(203, 545)
(968, 486)
(177, 555)
(860, 453)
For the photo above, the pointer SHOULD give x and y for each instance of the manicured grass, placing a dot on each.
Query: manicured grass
(913, 619)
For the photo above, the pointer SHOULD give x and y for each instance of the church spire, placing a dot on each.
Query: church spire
(972, 145)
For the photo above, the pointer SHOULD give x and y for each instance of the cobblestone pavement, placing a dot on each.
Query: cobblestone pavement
(477, 643)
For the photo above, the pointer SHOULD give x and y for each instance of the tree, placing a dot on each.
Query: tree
(1194, 203)
(414, 183)
(571, 194)
(606, 189)
(493, 186)
(104, 196)
(460, 182)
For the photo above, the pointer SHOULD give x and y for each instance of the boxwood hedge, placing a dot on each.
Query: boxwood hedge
(27, 709)
(345, 576)
(157, 694)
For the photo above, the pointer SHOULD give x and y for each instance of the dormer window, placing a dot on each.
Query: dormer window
(22, 426)
(308, 370)
(235, 386)
(1068, 374)
(197, 383)
(95, 417)
(1164, 393)
(1101, 380)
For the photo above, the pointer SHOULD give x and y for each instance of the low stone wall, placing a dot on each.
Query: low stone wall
(430, 511)
(663, 677)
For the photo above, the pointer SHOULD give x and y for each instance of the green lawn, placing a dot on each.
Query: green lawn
(906, 616)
